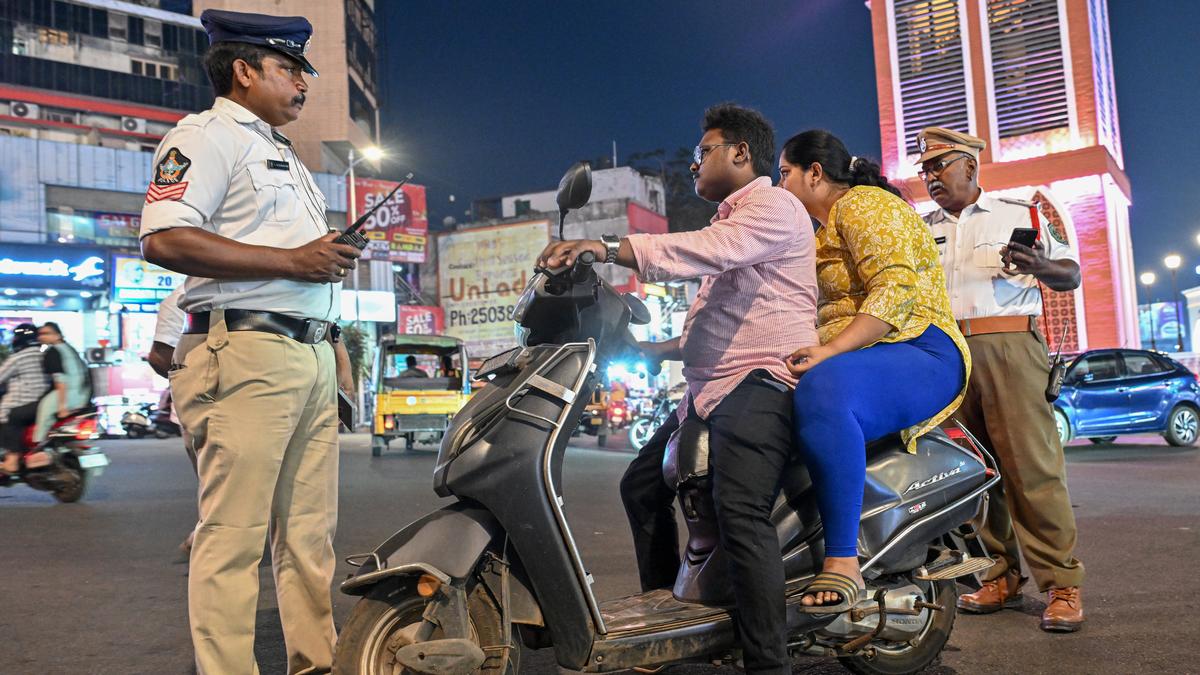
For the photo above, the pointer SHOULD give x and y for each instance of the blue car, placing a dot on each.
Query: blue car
(1112, 392)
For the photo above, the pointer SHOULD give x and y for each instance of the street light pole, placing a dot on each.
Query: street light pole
(1172, 262)
(1148, 279)
(1178, 315)
(352, 208)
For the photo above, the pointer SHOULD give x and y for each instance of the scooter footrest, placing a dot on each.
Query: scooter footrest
(956, 570)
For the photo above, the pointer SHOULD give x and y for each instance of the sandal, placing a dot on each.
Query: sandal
(832, 582)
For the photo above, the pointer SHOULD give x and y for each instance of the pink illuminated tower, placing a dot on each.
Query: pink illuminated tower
(1034, 78)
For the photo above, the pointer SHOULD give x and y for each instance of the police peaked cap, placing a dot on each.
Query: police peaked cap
(288, 35)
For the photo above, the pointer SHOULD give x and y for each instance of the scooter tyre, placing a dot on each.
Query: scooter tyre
(394, 604)
(76, 481)
(929, 644)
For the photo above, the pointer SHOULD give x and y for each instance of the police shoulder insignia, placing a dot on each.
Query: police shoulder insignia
(1019, 202)
(1057, 236)
(171, 168)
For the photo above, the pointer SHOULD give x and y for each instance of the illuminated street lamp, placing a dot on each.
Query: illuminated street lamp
(1148, 279)
(1172, 263)
(1198, 237)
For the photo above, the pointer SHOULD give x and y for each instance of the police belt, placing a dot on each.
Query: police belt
(308, 331)
(997, 324)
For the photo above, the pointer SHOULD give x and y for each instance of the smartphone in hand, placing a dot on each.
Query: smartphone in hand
(1025, 236)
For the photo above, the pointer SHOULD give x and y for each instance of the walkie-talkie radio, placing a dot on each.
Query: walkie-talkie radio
(353, 234)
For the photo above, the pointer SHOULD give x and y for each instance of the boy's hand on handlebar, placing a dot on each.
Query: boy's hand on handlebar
(563, 253)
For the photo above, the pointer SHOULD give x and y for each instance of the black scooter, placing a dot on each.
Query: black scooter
(455, 591)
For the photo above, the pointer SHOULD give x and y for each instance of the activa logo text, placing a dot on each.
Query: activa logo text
(936, 478)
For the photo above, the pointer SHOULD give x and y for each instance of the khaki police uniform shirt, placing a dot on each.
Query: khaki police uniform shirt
(227, 171)
(970, 248)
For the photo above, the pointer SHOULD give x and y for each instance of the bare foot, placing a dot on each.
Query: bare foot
(846, 567)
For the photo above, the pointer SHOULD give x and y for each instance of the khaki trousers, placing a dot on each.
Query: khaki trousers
(1029, 511)
(260, 410)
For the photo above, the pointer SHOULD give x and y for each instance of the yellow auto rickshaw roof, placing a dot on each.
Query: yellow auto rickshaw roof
(401, 342)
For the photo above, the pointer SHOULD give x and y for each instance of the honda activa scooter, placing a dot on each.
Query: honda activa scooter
(462, 588)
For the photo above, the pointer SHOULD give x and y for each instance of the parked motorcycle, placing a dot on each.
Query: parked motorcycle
(645, 424)
(149, 420)
(73, 461)
(454, 591)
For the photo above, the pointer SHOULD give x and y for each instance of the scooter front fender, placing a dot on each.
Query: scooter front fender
(446, 544)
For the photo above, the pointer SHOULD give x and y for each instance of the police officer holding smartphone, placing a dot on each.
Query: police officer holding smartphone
(995, 282)
(253, 376)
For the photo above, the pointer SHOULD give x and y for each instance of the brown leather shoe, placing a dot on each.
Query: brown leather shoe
(1064, 610)
(999, 593)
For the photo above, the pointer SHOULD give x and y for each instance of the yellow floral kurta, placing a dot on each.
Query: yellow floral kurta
(876, 256)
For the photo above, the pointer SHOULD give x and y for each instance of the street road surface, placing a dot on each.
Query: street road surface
(100, 587)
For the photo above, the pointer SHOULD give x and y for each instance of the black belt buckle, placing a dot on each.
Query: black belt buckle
(314, 331)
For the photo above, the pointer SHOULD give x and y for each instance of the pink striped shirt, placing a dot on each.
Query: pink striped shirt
(758, 297)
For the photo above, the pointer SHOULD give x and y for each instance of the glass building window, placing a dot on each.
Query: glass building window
(154, 33)
(118, 27)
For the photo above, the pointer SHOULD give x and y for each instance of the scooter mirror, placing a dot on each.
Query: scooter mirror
(575, 188)
(639, 313)
(574, 191)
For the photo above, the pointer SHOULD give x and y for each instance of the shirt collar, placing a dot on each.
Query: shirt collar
(984, 202)
(730, 203)
(239, 114)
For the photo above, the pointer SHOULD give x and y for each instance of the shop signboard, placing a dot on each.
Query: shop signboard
(398, 231)
(481, 273)
(53, 267)
(40, 302)
(420, 320)
(137, 282)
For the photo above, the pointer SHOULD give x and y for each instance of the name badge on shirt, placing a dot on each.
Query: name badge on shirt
(939, 240)
(278, 164)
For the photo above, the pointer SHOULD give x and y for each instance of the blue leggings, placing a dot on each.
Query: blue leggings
(857, 397)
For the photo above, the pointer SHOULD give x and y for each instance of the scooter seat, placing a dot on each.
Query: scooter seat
(889, 442)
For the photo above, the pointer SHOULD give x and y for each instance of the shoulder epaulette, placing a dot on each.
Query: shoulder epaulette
(1019, 202)
(200, 119)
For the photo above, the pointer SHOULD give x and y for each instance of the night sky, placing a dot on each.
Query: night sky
(488, 98)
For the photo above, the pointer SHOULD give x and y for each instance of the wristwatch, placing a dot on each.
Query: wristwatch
(612, 245)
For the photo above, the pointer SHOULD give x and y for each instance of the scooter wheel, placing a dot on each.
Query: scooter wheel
(919, 653)
(71, 481)
(367, 642)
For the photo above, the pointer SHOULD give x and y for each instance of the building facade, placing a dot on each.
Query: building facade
(88, 88)
(1034, 78)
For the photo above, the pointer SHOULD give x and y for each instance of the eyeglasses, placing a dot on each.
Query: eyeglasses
(700, 151)
(938, 167)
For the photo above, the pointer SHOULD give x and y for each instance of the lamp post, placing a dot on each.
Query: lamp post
(370, 154)
(1172, 262)
(1148, 279)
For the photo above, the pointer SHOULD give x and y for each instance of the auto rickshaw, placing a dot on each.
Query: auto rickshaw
(421, 382)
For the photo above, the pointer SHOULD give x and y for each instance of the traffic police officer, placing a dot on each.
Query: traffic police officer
(996, 297)
(231, 206)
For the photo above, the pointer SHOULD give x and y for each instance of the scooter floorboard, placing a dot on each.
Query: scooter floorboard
(659, 609)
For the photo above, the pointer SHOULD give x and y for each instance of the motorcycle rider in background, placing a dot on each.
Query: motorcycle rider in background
(71, 383)
(26, 379)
